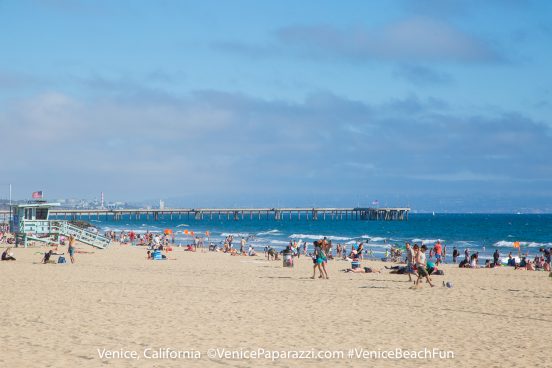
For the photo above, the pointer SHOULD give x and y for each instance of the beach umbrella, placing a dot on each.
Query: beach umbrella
(517, 245)
(168, 232)
(186, 232)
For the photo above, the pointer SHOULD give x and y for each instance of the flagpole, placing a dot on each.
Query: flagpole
(10, 219)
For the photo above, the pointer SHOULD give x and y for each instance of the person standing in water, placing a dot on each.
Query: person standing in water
(437, 250)
(71, 248)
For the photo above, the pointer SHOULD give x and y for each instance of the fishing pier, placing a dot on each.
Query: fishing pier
(278, 214)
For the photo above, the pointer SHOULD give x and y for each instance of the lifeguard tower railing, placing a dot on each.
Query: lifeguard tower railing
(52, 230)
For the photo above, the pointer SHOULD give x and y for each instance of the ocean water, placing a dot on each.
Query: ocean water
(478, 232)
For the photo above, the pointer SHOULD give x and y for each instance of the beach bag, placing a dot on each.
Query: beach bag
(157, 256)
(61, 259)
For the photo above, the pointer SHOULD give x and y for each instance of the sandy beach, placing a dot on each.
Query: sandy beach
(115, 299)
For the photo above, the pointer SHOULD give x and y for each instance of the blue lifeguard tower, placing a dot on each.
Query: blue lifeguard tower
(31, 222)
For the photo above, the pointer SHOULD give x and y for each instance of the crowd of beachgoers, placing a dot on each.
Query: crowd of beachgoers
(417, 261)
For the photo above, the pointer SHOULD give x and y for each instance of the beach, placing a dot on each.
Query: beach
(114, 301)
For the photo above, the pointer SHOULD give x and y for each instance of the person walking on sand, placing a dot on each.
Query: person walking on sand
(71, 248)
(319, 258)
(409, 261)
(420, 259)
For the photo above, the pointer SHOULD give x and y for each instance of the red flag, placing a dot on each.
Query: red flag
(37, 195)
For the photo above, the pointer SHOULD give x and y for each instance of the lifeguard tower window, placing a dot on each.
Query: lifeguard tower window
(28, 213)
(41, 213)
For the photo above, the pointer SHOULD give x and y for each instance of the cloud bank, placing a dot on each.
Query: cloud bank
(218, 144)
(414, 39)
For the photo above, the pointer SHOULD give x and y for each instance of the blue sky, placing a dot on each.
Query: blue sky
(433, 104)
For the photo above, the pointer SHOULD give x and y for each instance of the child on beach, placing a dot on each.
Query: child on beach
(46, 259)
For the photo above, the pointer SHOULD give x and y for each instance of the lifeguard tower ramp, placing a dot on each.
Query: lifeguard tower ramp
(31, 223)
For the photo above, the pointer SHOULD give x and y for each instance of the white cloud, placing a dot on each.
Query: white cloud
(411, 39)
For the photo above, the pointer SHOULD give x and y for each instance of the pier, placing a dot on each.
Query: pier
(278, 214)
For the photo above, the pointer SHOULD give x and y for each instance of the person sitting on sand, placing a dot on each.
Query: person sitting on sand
(539, 262)
(359, 250)
(522, 263)
(464, 264)
(362, 270)
(474, 259)
(46, 259)
(251, 251)
(7, 255)
(431, 267)
(525, 264)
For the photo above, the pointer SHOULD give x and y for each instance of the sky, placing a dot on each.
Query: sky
(433, 104)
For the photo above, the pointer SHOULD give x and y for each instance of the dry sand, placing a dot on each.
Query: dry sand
(60, 315)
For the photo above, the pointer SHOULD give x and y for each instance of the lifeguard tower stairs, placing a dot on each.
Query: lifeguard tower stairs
(30, 222)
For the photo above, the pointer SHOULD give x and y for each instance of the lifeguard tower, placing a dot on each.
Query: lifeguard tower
(30, 222)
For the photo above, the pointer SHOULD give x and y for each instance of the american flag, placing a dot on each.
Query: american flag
(37, 195)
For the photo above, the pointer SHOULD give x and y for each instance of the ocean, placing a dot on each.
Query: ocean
(478, 232)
